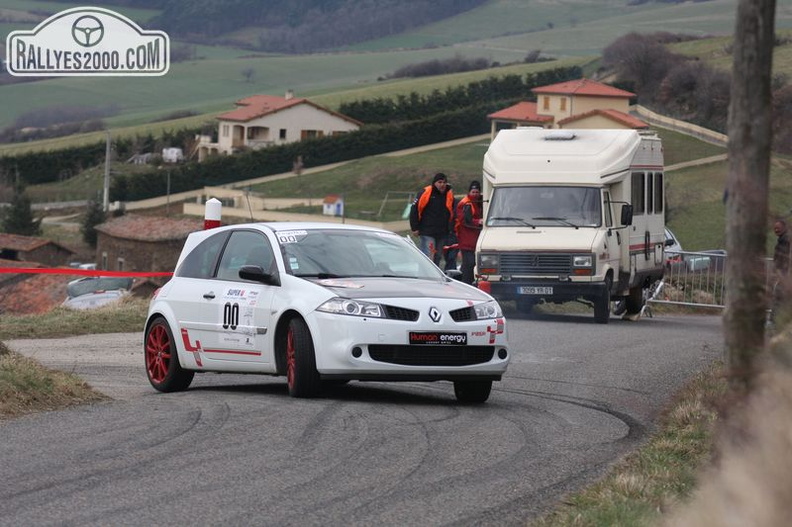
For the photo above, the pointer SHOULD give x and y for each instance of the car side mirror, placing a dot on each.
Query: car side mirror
(626, 215)
(255, 273)
(669, 242)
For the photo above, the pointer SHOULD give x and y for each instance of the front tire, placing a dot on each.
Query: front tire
(602, 305)
(162, 361)
(301, 375)
(472, 392)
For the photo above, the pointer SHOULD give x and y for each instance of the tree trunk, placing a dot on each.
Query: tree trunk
(750, 138)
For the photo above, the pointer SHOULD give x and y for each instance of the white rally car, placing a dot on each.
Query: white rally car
(320, 303)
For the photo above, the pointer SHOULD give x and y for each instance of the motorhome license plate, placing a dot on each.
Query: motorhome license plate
(531, 290)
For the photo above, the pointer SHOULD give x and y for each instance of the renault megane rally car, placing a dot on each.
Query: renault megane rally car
(320, 303)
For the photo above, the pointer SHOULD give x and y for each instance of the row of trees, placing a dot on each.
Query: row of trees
(491, 89)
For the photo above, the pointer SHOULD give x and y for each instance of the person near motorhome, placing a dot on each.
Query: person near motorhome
(468, 227)
(451, 249)
(430, 217)
(781, 260)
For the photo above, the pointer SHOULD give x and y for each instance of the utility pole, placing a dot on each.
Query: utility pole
(106, 193)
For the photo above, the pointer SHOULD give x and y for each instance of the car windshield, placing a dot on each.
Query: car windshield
(85, 286)
(543, 206)
(339, 253)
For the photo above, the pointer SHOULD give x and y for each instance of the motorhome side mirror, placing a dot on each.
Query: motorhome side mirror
(626, 215)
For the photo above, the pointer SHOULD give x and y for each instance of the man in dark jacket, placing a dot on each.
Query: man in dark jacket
(430, 217)
(468, 228)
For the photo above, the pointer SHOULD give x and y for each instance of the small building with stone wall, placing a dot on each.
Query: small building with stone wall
(142, 243)
(33, 249)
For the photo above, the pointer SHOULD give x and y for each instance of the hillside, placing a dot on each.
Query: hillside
(209, 78)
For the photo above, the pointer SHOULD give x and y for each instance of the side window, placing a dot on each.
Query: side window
(245, 248)
(200, 263)
(608, 210)
(650, 193)
(638, 192)
(658, 194)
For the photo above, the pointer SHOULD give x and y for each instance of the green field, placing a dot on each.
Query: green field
(151, 101)
(501, 30)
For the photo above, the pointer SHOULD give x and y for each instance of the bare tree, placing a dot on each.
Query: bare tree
(750, 139)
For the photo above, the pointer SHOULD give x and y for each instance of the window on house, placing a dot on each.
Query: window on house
(282, 134)
(225, 130)
(545, 102)
(310, 134)
(104, 261)
(120, 264)
(563, 104)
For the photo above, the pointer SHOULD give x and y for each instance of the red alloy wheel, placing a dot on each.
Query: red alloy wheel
(158, 353)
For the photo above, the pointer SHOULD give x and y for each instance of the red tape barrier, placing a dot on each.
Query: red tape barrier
(81, 272)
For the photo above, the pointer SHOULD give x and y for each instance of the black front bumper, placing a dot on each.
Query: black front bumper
(562, 291)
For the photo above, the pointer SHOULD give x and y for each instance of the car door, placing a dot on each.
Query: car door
(239, 313)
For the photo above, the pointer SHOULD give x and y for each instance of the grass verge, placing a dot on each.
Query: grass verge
(662, 473)
(27, 387)
(127, 315)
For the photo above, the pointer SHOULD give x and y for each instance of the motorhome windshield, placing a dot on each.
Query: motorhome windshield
(544, 206)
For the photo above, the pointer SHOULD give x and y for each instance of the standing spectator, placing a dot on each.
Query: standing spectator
(452, 247)
(781, 260)
(468, 227)
(430, 217)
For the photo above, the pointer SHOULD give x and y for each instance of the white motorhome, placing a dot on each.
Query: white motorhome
(572, 215)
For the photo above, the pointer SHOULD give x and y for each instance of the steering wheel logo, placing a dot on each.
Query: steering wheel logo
(87, 31)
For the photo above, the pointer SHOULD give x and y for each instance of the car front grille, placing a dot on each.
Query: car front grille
(400, 313)
(535, 264)
(431, 355)
(463, 315)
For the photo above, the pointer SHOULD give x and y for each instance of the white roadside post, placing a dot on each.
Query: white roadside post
(212, 213)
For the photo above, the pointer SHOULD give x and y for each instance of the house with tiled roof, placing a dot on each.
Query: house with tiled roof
(33, 249)
(581, 103)
(139, 243)
(260, 121)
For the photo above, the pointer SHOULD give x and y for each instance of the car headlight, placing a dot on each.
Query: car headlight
(488, 264)
(347, 306)
(582, 261)
(488, 310)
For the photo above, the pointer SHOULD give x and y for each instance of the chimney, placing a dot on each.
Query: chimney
(289, 95)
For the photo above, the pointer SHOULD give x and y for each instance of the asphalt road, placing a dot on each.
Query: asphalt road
(237, 450)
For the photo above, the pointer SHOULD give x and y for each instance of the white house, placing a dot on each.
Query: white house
(581, 103)
(333, 205)
(266, 120)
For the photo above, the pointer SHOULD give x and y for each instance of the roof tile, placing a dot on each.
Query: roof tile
(583, 87)
(149, 228)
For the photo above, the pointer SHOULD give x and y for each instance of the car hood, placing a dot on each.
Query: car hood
(379, 287)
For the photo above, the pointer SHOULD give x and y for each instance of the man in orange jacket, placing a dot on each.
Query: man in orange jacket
(468, 227)
(430, 217)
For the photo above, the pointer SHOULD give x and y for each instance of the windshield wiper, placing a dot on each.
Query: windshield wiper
(510, 218)
(322, 276)
(555, 218)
